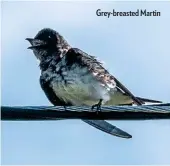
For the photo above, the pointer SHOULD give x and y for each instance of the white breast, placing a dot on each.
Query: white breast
(81, 87)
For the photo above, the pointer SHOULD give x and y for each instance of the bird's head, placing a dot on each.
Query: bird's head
(48, 43)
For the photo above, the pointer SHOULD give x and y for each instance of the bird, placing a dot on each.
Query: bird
(71, 77)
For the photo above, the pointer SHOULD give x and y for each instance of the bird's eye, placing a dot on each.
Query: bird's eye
(49, 37)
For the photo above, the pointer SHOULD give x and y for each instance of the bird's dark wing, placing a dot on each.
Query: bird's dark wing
(99, 124)
(124, 96)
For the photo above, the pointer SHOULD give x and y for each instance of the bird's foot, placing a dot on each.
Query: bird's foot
(98, 106)
(65, 108)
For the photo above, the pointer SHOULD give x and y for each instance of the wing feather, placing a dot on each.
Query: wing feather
(75, 55)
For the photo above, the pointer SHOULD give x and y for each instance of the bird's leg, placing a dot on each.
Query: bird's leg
(65, 108)
(98, 106)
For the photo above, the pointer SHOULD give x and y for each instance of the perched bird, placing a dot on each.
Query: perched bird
(70, 76)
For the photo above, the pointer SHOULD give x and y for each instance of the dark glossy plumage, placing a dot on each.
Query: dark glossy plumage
(70, 76)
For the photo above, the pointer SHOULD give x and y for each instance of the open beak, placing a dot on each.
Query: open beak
(29, 39)
(35, 43)
(31, 42)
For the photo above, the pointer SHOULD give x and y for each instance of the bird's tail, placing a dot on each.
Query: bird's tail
(113, 130)
(148, 101)
(108, 128)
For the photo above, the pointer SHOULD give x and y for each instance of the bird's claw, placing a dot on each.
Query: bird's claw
(98, 106)
(65, 108)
